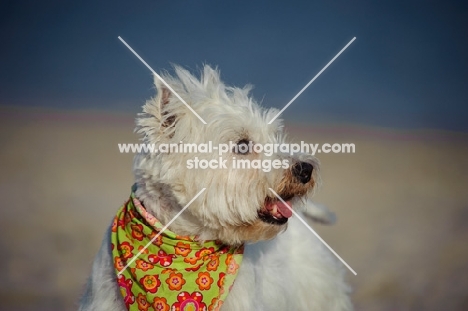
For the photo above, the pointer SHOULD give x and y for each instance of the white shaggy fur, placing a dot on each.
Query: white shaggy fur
(282, 269)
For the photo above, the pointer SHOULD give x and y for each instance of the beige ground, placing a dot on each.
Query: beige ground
(402, 203)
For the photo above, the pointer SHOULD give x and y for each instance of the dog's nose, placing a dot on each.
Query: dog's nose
(302, 171)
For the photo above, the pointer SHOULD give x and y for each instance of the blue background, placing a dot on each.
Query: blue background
(407, 68)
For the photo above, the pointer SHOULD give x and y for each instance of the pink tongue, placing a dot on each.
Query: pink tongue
(284, 210)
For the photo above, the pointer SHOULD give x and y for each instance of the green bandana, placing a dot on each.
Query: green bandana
(174, 273)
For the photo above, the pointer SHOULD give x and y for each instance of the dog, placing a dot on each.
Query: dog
(235, 247)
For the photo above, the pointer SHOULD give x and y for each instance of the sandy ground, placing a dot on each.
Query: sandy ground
(401, 201)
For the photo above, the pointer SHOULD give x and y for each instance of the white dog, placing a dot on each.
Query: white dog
(236, 246)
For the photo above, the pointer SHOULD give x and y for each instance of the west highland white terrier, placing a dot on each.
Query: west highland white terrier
(235, 247)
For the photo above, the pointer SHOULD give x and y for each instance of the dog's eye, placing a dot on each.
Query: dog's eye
(242, 147)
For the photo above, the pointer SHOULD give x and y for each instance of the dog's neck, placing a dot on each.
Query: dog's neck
(159, 200)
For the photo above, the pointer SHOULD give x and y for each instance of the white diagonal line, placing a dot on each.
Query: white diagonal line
(159, 77)
(313, 79)
(160, 232)
(312, 230)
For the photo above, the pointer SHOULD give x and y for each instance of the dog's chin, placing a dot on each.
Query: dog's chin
(270, 219)
(259, 230)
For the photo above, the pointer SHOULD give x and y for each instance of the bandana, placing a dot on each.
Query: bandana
(175, 273)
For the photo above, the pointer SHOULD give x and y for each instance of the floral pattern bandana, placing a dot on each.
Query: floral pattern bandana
(175, 273)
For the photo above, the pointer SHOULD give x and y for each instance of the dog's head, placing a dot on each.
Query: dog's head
(238, 204)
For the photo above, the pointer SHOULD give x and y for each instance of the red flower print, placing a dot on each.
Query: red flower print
(204, 280)
(143, 265)
(183, 238)
(191, 260)
(142, 249)
(165, 259)
(137, 232)
(153, 258)
(118, 263)
(151, 283)
(128, 217)
(126, 290)
(126, 249)
(117, 223)
(223, 249)
(221, 279)
(162, 257)
(213, 264)
(228, 259)
(143, 304)
(182, 249)
(175, 281)
(194, 268)
(157, 241)
(204, 252)
(168, 270)
(160, 304)
(232, 267)
(215, 304)
(220, 282)
(186, 301)
(114, 225)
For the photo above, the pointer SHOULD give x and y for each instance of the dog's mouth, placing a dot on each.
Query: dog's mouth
(275, 211)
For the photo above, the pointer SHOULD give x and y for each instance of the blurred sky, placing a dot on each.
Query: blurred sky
(408, 67)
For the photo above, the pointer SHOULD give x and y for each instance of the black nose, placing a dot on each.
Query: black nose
(302, 171)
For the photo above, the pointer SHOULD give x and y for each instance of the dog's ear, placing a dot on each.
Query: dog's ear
(163, 99)
(159, 115)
